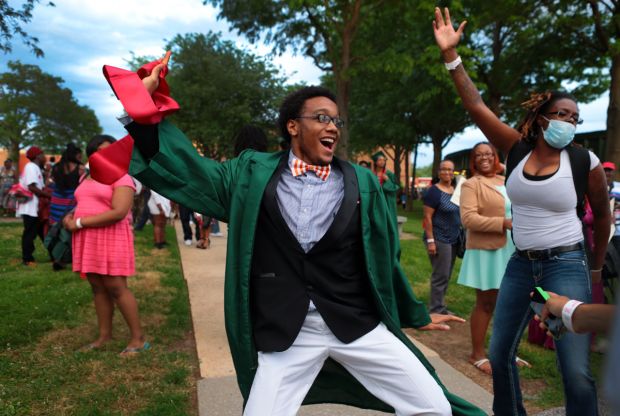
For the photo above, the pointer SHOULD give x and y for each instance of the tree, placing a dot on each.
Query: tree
(401, 95)
(324, 30)
(591, 29)
(11, 21)
(220, 88)
(36, 109)
(524, 46)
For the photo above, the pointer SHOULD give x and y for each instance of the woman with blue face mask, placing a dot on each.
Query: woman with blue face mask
(546, 226)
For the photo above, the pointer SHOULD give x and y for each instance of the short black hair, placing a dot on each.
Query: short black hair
(96, 141)
(250, 137)
(292, 105)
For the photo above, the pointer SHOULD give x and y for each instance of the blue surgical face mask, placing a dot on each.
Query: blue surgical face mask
(559, 133)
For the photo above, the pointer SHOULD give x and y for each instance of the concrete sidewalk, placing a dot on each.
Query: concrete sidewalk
(218, 394)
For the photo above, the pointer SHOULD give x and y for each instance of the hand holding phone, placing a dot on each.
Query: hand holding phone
(554, 324)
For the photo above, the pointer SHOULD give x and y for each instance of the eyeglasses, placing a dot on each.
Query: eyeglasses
(564, 116)
(325, 119)
(480, 156)
(446, 170)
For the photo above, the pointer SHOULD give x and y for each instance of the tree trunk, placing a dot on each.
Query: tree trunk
(613, 113)
(407, 190)
(14, 153)
(342, 100)
(495, 103)
(407, 187)
(437, 148)
(398, 154)
(341, 72)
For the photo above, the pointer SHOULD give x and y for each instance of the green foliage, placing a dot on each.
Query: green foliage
(312, 27)
(325, 31)
(522, 47)
(220, 89)
(424, 171)
(401, 94)
(11, 21)
(36, 109)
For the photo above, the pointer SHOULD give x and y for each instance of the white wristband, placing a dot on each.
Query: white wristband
(451, 66)
(78, 223)
(567, 313)
(430, 240)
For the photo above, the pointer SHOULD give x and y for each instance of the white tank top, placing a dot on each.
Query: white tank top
(544, 212)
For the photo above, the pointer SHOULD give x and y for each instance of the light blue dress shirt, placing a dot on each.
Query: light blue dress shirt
(309, 204)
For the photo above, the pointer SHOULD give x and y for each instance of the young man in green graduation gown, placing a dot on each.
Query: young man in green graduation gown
(315, 298)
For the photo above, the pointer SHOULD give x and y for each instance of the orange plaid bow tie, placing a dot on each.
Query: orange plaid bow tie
(300, 167)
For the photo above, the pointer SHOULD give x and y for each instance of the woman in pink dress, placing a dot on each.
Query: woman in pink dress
(103, 250)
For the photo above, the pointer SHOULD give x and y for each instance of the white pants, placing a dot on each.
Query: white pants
(378, 360)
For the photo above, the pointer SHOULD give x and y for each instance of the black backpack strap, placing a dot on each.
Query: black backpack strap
(515, 155)
(580, 167)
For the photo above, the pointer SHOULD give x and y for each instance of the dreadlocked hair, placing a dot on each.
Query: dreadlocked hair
(539, 103)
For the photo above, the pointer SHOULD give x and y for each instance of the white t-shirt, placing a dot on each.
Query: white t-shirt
(544, 212)
(158, 199)
(30, 175)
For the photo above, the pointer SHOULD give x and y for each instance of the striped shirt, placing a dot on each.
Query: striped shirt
(309, 204)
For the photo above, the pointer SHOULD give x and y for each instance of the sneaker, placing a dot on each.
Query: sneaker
(188, 242)
(218, 234)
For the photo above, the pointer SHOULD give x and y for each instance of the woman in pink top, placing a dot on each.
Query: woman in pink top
(103, 250)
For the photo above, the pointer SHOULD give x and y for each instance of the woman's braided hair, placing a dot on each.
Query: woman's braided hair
(539, 103)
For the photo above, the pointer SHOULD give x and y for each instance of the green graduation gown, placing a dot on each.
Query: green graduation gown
(232, 191)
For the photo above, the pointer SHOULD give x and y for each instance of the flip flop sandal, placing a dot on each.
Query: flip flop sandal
(520, 362)
(130, 351)
(478, 364)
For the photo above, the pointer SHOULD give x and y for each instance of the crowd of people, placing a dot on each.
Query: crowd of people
(313, 273)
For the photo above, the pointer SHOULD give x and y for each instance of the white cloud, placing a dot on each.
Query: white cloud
(79, 37)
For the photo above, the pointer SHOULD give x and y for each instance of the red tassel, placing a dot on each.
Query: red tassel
(112, 162)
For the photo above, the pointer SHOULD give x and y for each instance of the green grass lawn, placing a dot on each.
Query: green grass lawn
(47, 316)
(461, 300)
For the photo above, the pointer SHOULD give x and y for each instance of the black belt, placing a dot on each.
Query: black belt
(548, 253)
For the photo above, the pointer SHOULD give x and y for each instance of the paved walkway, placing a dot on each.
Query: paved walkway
(218, 394)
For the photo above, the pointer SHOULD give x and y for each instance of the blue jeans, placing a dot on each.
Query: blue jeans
(565, 274)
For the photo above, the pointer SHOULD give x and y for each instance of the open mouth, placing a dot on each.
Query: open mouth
(328, 142)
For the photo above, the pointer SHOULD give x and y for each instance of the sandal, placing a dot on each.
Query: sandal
(520, 362)
(130, 351)
(480, 366)
(204, 245)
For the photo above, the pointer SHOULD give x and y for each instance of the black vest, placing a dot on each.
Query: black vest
(332, 274)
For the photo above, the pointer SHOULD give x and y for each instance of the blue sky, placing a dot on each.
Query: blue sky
(79, 37)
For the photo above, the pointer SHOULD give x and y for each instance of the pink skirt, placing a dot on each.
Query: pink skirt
(107, 250)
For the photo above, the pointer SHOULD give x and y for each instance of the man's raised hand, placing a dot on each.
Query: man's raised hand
(152, 81)
(446, 37)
